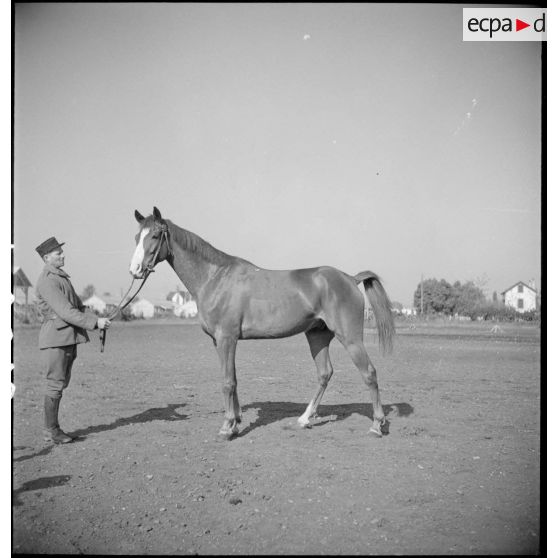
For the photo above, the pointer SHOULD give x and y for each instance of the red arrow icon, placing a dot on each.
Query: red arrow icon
(519, 25)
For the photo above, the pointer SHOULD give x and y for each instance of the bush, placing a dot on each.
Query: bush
(531, 316)
(501, 313)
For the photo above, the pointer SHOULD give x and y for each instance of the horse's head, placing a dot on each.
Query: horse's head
(152, 243)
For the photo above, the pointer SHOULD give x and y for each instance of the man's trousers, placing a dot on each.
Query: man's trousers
(59, 361)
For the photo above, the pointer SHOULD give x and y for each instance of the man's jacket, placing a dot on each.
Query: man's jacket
(65, 320)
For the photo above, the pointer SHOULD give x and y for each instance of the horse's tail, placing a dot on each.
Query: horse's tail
(381, 306)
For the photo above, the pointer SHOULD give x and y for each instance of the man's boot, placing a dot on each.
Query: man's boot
(53, 432)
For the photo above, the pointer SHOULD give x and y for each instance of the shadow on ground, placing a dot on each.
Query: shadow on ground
(274, 411)
(168, 413)
(44, 451)
(268, 413)
(39, 484)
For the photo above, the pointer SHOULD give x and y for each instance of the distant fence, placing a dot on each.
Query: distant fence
(489, 314)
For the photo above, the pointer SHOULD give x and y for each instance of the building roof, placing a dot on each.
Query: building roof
(515, 285)
(20, 279)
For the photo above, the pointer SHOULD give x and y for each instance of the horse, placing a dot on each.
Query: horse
(238, 300)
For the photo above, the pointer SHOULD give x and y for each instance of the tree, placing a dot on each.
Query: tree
(88, 292)
(468, 299)
(481, 281)
(436, 296)
(439, 297)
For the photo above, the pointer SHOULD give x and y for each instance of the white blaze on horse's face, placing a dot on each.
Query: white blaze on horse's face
(139, 255)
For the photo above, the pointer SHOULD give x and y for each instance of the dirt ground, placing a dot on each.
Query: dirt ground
(459, 472)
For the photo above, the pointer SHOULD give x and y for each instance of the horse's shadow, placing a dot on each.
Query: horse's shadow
(273, 411)
(168, 413)
(39, 484)
(268, 413)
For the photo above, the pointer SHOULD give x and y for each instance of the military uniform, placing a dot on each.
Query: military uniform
(64, 327)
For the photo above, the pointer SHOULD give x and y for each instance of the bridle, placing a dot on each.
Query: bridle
(163, 228)
(149, 269)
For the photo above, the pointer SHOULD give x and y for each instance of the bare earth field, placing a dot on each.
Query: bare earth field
(459, 472)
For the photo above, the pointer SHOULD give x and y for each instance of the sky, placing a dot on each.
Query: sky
(362, 136)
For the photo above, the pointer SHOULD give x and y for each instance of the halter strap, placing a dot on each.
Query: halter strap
(149, 269)
(165, 234)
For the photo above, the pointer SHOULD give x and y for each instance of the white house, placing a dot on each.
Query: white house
(142, 308)
(521, 297)
(187, 310)
(178, 297)
(96, 304)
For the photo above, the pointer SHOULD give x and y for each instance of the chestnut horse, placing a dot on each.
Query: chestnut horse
(238, 300)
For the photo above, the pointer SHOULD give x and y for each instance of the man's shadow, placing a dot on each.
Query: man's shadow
(273, 411)
(168, 413)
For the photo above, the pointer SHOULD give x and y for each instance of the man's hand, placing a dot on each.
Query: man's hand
(103, 323)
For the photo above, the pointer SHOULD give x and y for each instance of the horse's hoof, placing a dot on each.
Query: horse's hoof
(304, 424)
(376, 432)
(226, 435)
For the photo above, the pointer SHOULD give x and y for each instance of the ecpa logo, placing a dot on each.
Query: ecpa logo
(504, 24)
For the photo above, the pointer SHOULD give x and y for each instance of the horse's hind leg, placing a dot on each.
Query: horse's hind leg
(366, 368)
(319, 340)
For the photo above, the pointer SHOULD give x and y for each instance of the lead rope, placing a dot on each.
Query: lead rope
(149, 270)
(120, 307)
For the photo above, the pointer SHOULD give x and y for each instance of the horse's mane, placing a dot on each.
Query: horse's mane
(193, 243)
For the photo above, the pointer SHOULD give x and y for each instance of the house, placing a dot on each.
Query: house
(113, 302)
(24, 308)
(142, 308)
(21, 286)
(96, 304)
(187, 310)
(179, 297)
(521, 296)
(163, 308)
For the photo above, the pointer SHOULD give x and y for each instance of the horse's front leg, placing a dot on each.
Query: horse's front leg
(226, 349)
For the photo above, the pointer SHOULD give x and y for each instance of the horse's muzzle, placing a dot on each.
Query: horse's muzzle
(138, 273)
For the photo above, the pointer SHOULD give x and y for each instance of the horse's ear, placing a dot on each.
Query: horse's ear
(157, 214)
(139, 217)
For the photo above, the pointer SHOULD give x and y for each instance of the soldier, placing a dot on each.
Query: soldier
(64, 326)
